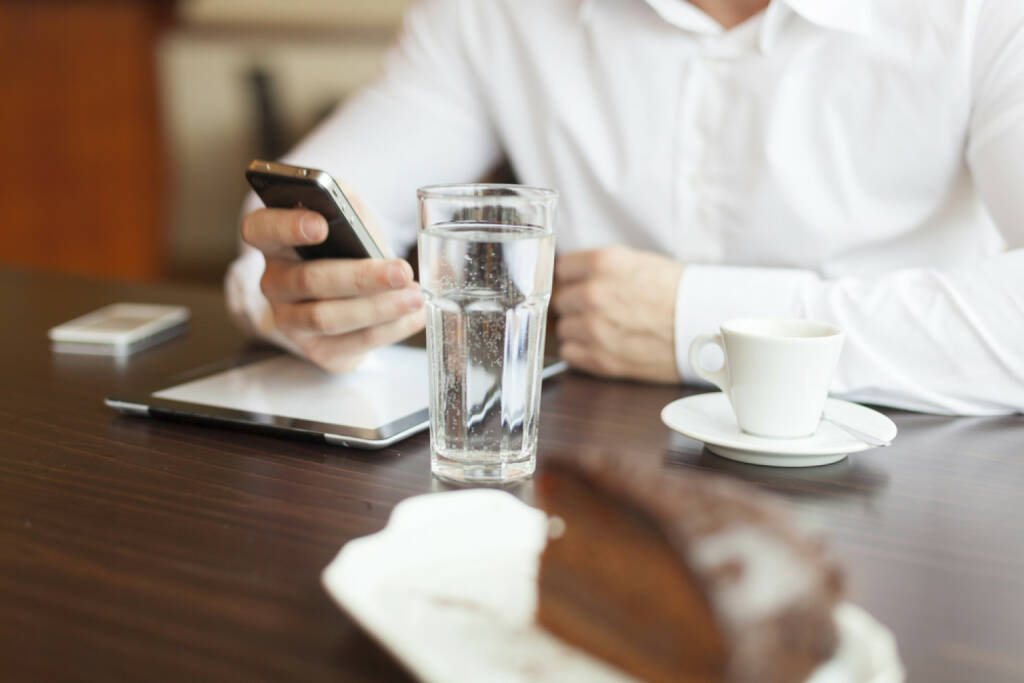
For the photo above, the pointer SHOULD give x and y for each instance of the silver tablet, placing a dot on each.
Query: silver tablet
(382, 402)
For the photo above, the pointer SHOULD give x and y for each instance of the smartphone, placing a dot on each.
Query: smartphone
(120, 329)
(282, 186)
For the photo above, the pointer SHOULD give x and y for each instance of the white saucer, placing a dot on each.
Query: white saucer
(709, 418)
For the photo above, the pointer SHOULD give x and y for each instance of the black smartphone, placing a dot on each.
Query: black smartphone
(282, 186)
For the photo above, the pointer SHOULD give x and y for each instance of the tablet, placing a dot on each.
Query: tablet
(382, 402)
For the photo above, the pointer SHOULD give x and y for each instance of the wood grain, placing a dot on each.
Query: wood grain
(139, 549)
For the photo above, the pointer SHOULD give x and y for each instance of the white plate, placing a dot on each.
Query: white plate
(449, 588)
(709, 418)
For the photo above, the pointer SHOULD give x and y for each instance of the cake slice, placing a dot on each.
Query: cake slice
(681, 577)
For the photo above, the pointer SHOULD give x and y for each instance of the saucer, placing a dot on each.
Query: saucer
(709, 418)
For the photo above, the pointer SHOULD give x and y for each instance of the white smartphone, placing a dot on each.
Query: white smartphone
(282, 186)
(120, 329)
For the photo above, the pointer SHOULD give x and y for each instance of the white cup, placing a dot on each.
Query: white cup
(776, 372)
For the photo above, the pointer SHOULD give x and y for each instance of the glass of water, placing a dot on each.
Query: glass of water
(486, 258)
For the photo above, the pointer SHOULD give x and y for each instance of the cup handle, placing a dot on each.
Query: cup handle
(719, 377)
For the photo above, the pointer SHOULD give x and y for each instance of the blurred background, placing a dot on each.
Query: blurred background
(125, 125)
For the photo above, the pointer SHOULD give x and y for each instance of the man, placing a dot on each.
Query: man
(857, 161)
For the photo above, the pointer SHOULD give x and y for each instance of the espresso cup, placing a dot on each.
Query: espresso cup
(776, 372)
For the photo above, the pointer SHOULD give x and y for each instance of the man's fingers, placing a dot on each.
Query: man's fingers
(580, 265)
(570, 268)
(580, 297)
(276, 231)
(335, 353)
(589, 330)
(338, 316)
(287, 281)
(591, 359)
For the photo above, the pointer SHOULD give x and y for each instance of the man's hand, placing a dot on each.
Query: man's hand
(617, 308)
(335, 310)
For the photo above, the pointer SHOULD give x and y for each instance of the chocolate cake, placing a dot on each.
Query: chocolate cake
(681, 577)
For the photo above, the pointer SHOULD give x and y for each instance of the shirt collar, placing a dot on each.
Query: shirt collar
(679, 13)
(852, 16)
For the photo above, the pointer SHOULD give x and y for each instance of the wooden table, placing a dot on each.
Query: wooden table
(135, 549)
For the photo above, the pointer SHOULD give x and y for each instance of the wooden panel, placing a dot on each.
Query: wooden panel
(82, 172)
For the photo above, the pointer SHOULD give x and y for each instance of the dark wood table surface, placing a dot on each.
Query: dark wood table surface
(137, 549)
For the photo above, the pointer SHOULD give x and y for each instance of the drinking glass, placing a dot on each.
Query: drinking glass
(486, 255)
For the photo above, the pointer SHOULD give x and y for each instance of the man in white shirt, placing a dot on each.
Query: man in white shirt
(857, 161)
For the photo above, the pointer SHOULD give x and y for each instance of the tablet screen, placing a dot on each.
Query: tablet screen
(390, 384)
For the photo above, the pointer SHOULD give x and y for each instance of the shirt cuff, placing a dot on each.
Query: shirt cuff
(710, 295)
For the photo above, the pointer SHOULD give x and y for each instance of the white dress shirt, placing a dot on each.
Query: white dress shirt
(855, 161)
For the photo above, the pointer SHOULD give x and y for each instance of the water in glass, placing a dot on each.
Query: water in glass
(487, 288)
